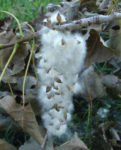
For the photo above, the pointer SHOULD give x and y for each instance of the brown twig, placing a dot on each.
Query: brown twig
(24, 39)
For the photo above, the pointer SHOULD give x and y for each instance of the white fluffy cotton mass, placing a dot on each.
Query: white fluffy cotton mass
(62, 57)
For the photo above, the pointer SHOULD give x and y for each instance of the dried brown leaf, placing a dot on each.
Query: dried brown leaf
(92, 85)
(31, 95)
(96, 51)
(5, 23)
(24, 117)
(101, 137)
(31, 83)
(114, 41)
(6, 146)
(74, 144)
(113, 83)
(17, 64)
(6, 37)
(30, 145)
(90, 5)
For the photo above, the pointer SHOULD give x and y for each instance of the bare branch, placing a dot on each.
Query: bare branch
(24, 39)
(89, 21)
(68, 26)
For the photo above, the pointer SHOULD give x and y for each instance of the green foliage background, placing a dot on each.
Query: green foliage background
(25, 10)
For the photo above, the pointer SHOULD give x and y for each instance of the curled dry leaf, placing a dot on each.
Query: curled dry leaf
(6, 146)
(5, 23)
(31, 96)
(18, 62)
(116, 140)
(96, 51)
(31, 144)
(113, 83)
(3, 94)
(114, 41)
(74, 144)
(104, 136)
(90, 5)
(4, 122)
(70, 9)
(31, 83)
(24, 117)
(6, 37)
(91, 83)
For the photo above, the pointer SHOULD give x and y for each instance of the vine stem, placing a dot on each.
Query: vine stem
(9, 60)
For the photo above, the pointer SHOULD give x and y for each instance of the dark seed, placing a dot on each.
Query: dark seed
(58, 80)
(48, 88)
